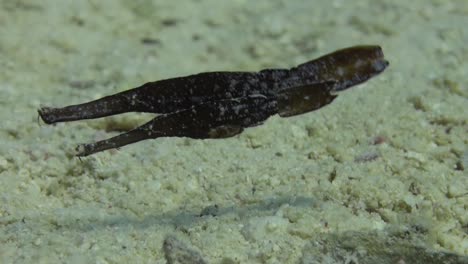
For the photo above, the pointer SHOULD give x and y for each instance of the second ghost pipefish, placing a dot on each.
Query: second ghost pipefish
(222, 104)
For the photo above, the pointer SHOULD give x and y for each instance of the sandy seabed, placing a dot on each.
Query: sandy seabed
(379, 176)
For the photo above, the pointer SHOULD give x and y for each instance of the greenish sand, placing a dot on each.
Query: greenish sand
(379, 176)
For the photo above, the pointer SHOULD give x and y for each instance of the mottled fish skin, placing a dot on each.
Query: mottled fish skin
(222, 104)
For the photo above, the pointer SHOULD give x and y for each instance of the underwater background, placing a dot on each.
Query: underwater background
(379, 176)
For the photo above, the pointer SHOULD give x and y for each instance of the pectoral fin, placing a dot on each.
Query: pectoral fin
(303, 99)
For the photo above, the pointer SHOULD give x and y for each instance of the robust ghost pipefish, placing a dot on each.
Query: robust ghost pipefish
(222, 104)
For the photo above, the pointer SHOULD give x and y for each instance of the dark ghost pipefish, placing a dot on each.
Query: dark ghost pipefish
(222, 104)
